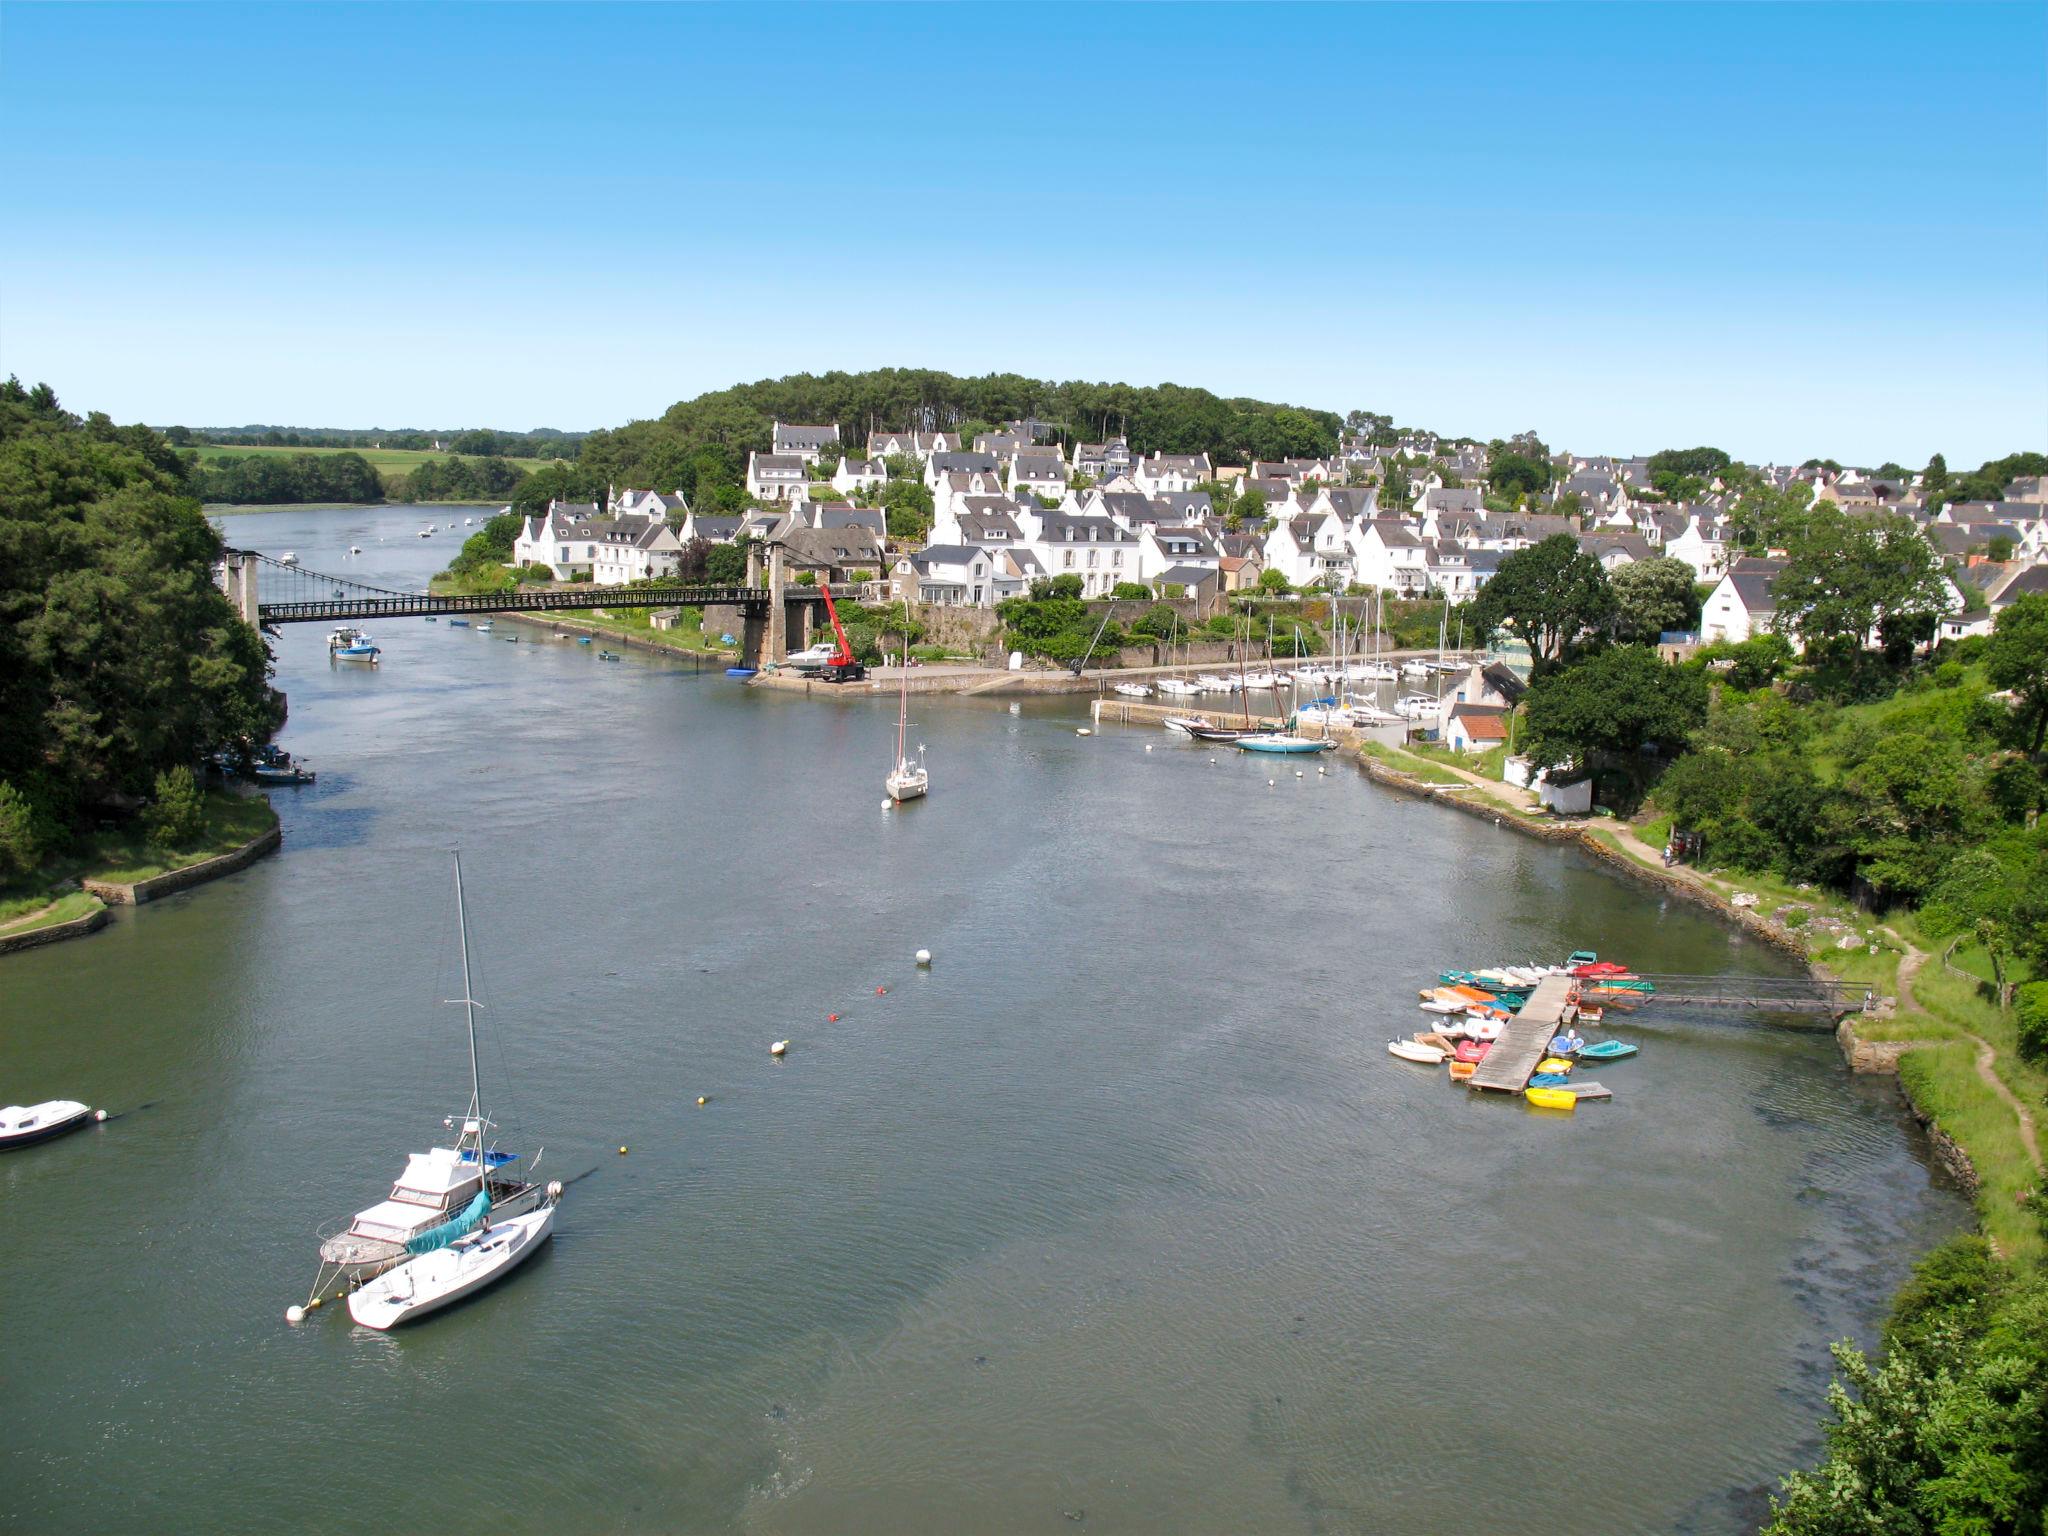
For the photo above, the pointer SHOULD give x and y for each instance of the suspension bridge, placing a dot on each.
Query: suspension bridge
(1823, 1002)
(269, 591)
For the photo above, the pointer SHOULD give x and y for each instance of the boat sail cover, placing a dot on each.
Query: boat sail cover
(471, 1218)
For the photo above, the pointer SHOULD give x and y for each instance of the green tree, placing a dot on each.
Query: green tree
(908, 506)
(1512, 474)
(2017, 660)
(1934, 481)
(1548, 595)
(21, 838)
(1652, 596)
(725, 565)
(177, 812)
(1610, 706)
(1847, 574)
(1274, 583)
(1701, 462)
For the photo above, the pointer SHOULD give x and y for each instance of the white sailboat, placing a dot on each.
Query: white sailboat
(452, 1225)
(907, 780)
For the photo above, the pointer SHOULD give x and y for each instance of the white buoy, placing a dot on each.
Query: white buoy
(1297, 773)
(1271, 782)
(887, 803)
(100, 1115)
(924, 957)
(778, 1048)
(295, 1314)
(1148, 746)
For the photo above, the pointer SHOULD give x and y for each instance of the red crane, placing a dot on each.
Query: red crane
(843, 667)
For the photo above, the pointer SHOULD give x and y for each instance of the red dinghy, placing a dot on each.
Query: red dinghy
(1601, 969)
(1472, 1050)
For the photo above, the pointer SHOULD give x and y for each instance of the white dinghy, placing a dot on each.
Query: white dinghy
(446, 1275)
(1412, 1050)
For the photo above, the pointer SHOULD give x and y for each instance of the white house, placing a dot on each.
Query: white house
(1171, 472)
(808, 443)
(634, 551)
(1182, 548)
(566, 545)
(1103, 461)
(1741, 604)
(1388, 556)
(1096, 549)
(858, 475)
(1310, 552)
(1701, 545)
(777, 476)
(655, 506)
(1037, 474)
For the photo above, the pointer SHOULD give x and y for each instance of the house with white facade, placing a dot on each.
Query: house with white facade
(1171, 472)
(1103, 461)
(858, 475)
(634, 550)
(1037, 474)
(1741, 604)
(657, 506)
(1701, 545)
(1099, 551)
(808, 443)
(1388, 556)
(1310, 552)
(777, 476)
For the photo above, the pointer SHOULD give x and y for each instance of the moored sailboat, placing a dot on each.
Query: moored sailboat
(907, 780)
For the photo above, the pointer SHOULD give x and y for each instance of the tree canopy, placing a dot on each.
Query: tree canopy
(1652, 596)
(119, 657)
(1848, 574)
(1548, 595)
(2017, 659)
(1611, 705)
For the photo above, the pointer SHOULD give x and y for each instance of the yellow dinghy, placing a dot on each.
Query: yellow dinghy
(1551, 1098)
(1553, 1064)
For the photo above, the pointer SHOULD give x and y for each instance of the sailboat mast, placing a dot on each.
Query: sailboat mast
(476, 1091)
(903, 693)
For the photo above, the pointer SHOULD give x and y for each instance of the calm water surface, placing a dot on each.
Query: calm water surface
(1121, 1211)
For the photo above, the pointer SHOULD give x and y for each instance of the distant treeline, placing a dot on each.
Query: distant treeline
(281, 479)
(703, 443)
(284, 479)
(540, 443)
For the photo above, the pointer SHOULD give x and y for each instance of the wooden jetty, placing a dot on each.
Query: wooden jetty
(1586, 1090)
(1525, 1039)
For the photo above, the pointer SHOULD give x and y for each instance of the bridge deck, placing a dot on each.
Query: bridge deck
(421, 604)
(1524, 1039)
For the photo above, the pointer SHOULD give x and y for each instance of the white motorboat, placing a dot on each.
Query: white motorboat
(812, 658)
(1376, 672)
(355, 549)
(1132, 690)
(1260, 680)
(484, 626)
(287, 558)
(432, 1281)
(1415, 706)
(1209, 682)
(1187, 725)
(1416, 666)
(1178, 687)
(347, 643)
(426, 533)
(467, 521)
(23, 1125)
(1407, 1050)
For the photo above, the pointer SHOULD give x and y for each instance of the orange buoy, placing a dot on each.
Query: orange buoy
(831, 1018)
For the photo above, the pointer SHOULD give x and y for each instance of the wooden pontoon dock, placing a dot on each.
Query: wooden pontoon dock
(1525, 1038)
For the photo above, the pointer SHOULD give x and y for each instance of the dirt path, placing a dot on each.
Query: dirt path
(1912, 957)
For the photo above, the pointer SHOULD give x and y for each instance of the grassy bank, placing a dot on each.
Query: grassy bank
(687, 635)
(26, 914)
(126, 856)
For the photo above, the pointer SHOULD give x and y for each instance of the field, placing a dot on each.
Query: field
(386, 461)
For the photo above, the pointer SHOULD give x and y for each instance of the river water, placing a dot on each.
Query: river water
(1118, 1218)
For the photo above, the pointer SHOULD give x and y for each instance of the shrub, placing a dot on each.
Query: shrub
(177, 813)
(533, 575)
(1796, 918)
(21, 841)
(1133, 590)
(2033, 1020)
(579, 576)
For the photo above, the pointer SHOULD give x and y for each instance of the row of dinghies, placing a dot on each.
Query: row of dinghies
(1531, 1014)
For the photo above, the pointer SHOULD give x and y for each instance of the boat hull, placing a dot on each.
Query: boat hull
(62, 1118)
(425, 1285)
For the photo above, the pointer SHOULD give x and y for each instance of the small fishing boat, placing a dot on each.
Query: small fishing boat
(485, 627)
(347, 643)
(431, 619)
(458, 623)
(1606, 1050)
(426, 533)
(608, 656)
(1589, 1015)
(280, 773)
(1132, 690)
(1222, 733)
(1551, 1098)
(1409, 1050)
(741, 671)
(23, 1125)
(466, 522)
(1282, 743)
(287, 558)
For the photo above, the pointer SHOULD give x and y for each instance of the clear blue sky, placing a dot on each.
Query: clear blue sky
(1784, 230)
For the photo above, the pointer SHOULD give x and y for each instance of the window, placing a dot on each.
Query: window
(1070, 559)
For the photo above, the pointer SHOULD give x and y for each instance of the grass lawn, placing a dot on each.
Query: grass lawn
(1407, 762)
(687, 635)
(25, 914)
(396, 461)
(1944, 1083)
(125, 857)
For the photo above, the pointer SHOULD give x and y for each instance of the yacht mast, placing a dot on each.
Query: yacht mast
(469, 1008)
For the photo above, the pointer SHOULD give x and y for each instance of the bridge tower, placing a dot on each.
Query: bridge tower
(237, 577)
